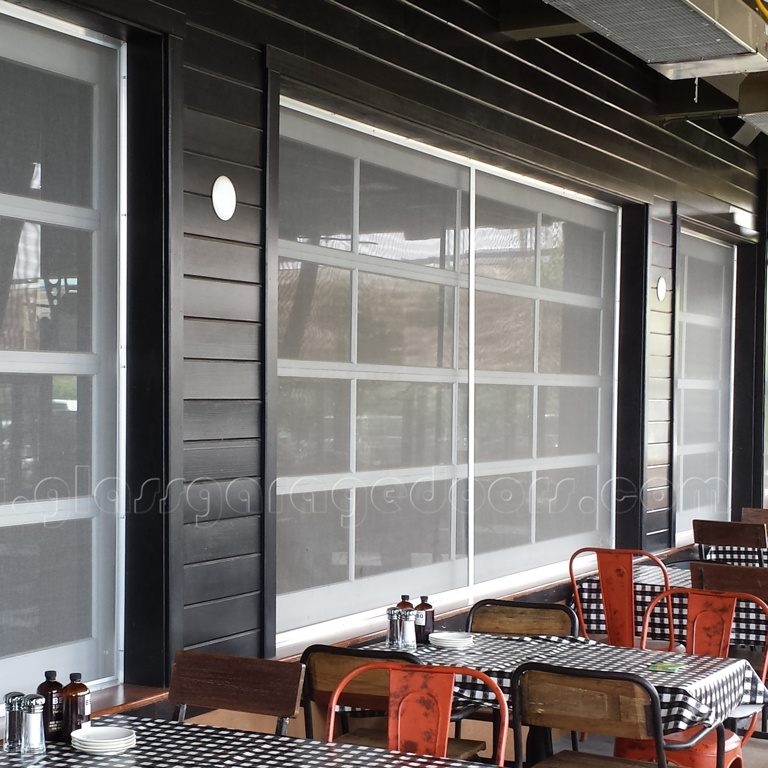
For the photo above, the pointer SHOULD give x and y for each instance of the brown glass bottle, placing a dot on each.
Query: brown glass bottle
(53, 709)
(404, 603)
(425, 621)
(77, 705)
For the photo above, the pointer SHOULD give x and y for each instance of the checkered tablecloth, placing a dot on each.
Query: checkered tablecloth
(706, 690)
(736, 555)
(749, 626)
(162, 744)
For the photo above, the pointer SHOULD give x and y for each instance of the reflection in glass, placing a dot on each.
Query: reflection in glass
(404, 322)
(45, 287)
(45, 435)
(569, 339)
(314, 529)
(505, 246)
(567, 421)
(47, 127)
(566, 502)
(503, 332)
(312, 426)
(316, 193)
(314, 311)
(503, 422)
(402, 525)
(403, 424)
(503, 513)
(571, 257)
(406, 218)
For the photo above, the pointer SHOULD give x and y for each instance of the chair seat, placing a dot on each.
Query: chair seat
(702, 754)
(458, 749)
(570, 759)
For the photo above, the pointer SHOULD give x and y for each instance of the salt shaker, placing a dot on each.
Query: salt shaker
(13, 721)
(393, 627)
(408, 630)
(33, 729)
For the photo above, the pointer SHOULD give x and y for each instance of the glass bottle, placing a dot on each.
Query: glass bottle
(408, 631)
(425, 620)
(393, 628)
(405, 602)
(77, 705)
(33, 730)
(13, 721)
(53, 712)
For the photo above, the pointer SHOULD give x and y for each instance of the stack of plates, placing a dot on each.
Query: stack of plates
(456, 640)
(103, 740)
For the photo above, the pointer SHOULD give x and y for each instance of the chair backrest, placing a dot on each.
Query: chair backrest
(516, 617)
(604, 703)
(258, 686)
(419, 706)
(615, 571)
(754, 515)
(722, 577)
(326, 667)
(728, 533)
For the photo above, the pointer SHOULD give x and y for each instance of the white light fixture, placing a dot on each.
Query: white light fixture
(224, 198)
(661, 289)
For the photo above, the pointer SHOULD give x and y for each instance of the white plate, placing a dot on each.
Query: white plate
(450, 636)
(108, 745)
(102, 733)
(110, 751)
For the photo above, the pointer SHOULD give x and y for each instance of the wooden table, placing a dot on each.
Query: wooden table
(164, 744)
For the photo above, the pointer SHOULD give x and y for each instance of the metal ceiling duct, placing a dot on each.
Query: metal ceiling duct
(679, 38)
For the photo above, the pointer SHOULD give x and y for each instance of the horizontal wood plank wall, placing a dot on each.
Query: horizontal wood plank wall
(576, 111)
(223, 311)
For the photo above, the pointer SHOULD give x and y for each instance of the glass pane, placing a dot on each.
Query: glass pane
(316, 192)
(566, 502)
(699, 416)
(47, 127)
(702, 352)
(314, 528)
(705, 485)
(503, 422)
(707, 292)
(569, 339)
(567, 421)
(45, 287)
(406, 218)
(502, 513)
(45, 593)
(403, 424)
(505, 245)
(404, 322)
(503, 332)
(314, 311)
(571, 257)
(312, 426)
(402, 525)
(45, 435)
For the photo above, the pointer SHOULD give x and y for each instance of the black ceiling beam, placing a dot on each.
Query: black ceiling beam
(528, 19)
(691, 99)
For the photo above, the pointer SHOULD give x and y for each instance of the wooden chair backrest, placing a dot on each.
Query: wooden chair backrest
(605, 703)
(258, 686)
(730, 578)
(729, 533)
(754, 515)
(514, 617)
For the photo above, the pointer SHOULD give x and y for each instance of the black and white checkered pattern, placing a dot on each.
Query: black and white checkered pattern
(705, 690)
(749, 625)
(736, 555)
(163, 744)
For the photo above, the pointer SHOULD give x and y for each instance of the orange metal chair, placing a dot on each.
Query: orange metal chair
(709, 619)
(617, 585)
(419, 706)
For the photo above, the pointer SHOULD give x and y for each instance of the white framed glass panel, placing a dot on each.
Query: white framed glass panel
(60, 473)
(703, 382)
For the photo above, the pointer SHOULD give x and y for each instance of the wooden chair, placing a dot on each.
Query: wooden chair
(727, 533)
(419, 706)
(754, 515)
(722, 577)
(258, 686)
(709, 619)
(519, 618)
(327, 665)
(613, 704)
(615, 571)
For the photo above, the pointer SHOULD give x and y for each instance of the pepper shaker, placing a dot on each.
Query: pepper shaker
(393, 627)
(408, 630)
(33, 730)
(13, 721)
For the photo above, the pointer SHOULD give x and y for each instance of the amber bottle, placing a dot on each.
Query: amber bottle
(77, 705)
(404, 603)
(425, 621)
(53, 709)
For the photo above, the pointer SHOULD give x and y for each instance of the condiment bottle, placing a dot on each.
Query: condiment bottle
(13, 721)
(404, 603)
(33, 730)
(53, 712)
(393, 628)
(425, 621)
(408, 630)
(77, 705)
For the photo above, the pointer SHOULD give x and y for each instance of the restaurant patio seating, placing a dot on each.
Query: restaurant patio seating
(754, 515)
(420, 700)
(616, 704)
(731, 541)
(615, 572)
(709, 620)
(257, 686)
